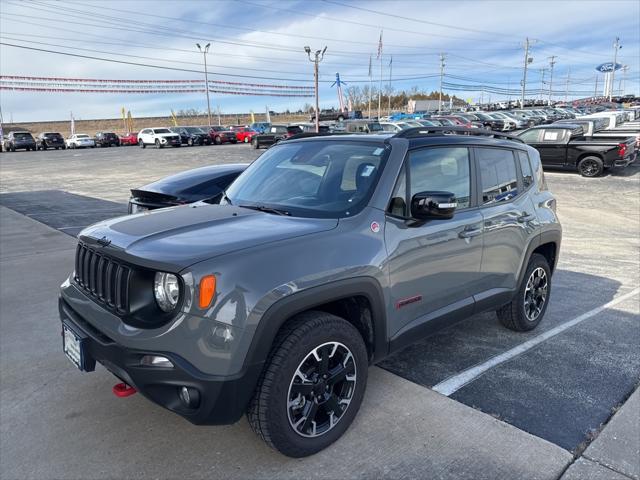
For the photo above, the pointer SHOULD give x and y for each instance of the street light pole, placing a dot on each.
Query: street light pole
(552, 62)
(442, 64)
(206, 77)
(616, 47)
(527, 61)
(317, 58)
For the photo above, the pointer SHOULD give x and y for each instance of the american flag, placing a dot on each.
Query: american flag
(380, 45)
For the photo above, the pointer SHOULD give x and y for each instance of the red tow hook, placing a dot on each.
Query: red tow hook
(123, 390)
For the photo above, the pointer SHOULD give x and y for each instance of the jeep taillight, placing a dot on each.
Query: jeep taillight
(622, 149)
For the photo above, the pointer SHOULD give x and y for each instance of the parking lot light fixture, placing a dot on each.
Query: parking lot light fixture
(316, 59)
(206, 77)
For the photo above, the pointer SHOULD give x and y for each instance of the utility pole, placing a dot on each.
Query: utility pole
(595, 90)
(317, 58)
(389, 98)
(527, 61)
(442, 64)
(206, 77)
(380, 79)
(552, 62)
(542, 72)
(624, 78)
(616, 47)
(370, 87)
(566, 88)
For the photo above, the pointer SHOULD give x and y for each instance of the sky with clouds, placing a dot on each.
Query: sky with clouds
(262, 41)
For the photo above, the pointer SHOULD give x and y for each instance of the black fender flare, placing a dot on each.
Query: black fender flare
(545, 237)
(282, 310)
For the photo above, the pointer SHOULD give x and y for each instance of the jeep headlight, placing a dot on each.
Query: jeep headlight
(166, 289)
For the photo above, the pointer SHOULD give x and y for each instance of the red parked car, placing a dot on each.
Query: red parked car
(221, 135)
(243, 134)
(130, 139)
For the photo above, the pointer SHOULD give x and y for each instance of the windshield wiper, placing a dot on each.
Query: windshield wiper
(262, 208)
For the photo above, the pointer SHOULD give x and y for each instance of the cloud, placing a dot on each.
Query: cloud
(579, 35)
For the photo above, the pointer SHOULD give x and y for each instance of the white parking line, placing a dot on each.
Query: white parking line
(456, 382)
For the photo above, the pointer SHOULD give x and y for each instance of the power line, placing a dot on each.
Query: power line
(190, 70)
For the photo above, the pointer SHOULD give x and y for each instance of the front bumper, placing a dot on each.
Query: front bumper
(221, 400)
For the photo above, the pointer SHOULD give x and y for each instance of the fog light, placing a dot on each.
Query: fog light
(189, 397)
(155, 361)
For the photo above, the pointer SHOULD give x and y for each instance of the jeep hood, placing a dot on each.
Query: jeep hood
(177, 237)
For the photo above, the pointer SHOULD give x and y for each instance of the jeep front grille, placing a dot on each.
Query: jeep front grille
(102, 277)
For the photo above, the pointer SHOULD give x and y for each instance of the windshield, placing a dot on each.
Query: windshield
(22, 136)
(322, 179)
(161, 130)
(194, 130)
(82, 136)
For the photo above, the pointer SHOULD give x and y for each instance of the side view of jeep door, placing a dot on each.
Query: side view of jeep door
(434, 266)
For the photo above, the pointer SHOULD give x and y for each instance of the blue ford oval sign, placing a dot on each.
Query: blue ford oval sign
(608, 67)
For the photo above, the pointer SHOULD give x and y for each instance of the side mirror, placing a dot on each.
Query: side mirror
(433, 205)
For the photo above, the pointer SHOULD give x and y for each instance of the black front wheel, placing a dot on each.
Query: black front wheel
(312, 385)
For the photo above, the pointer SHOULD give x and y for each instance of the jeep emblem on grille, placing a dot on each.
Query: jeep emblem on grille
(104, 241)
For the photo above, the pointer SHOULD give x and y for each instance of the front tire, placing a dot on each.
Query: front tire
(312, 385)
(255, 144)
(590, 167)
(158, 144)
(527, 309)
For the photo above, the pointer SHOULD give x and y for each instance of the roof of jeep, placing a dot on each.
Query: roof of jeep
(417, 141)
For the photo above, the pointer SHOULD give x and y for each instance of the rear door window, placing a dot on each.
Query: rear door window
(498, 175)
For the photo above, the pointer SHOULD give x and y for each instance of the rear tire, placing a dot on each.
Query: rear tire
(141, 144)
(218, 141)
(246, 139)
(255, 144)
(590, 167)
(317, 366)
(528, 307)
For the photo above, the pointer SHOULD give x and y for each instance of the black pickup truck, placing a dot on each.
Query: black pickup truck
(565, 145)
(596, 128)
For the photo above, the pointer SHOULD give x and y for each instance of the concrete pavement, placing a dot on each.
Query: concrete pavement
(615, 453)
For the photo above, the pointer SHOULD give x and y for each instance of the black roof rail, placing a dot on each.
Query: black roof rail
(439, 131)
(314, 134)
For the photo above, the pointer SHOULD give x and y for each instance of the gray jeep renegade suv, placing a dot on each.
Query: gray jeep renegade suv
(326, 255)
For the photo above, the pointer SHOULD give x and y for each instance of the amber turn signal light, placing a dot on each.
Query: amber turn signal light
(207, 291)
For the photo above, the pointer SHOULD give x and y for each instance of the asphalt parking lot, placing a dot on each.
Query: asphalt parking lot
(508, 405)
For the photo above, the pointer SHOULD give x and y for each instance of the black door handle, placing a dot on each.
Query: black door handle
(526, 217)
(470, 232)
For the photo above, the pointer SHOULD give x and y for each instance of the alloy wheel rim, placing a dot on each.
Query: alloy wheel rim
(589, 168)
(535, 294)
(321, 389)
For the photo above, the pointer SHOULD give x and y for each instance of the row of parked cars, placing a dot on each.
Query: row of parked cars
(589, 144)
(159, 137)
